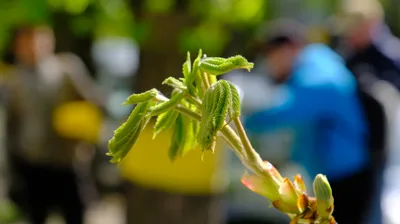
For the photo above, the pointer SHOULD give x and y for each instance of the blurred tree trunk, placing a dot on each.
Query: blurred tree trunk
(66, 41)
(159, 52)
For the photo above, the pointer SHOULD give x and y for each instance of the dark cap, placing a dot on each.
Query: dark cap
(281, 32)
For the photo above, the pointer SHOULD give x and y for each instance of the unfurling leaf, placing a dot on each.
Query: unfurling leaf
(183, 138)
(194, 72)
(141, 97)
(234, 109)
(218, 66)
(186, 68)
(222, 97)
(215, 107)
(220, 100)
(177, 139)
(190, 135)
(126, 135)
(285, 207)
(288, 192)
(174, 83)
(299, 184)
(261, 186)
(167, 105)
(273, 173)
(165, 121)
(302, 203)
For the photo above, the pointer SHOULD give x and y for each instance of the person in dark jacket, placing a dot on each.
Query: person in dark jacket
(372, 48)
(319, 100)
(373, 55)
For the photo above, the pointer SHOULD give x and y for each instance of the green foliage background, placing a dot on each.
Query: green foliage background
(164, 29)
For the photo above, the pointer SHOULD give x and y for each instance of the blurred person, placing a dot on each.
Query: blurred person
(373, 55)
(372, 48)
(319, 100)
(42, 161)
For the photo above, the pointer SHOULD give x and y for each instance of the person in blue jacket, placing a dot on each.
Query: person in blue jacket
(318, 99)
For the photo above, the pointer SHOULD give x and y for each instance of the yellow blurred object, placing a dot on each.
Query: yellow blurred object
(78, 120)
(148, 164)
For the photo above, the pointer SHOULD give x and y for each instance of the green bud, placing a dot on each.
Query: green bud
(323, 194)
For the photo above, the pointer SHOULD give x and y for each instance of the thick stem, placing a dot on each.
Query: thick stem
(254, 160)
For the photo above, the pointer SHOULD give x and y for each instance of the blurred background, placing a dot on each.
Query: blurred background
(54, 130)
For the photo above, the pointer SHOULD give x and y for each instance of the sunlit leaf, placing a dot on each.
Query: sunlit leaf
(234, 109)
(223, 98)
(299, 184)
(285, 207)
(190, 135)
(195, 68)
(141, 97)
(186, 68)
(174, 83)
(216, 103)
(165, 121)
(219, 66)
(177, 139)
(302, 202)
(288, 192)
(184, 136)
(261, 186)
(126, 135)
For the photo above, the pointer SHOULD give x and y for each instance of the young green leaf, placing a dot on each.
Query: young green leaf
(190, 135)
(194, 78)
(186, 68)
(165, 121)
(234, 109)
(223, 99)
(219, 66)
(194, 72)
(177, 138)
(174, 83)
(141, 97)
(215, 107)
(126, 135)
(190, 130)
(183, 137)
(206, 133)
